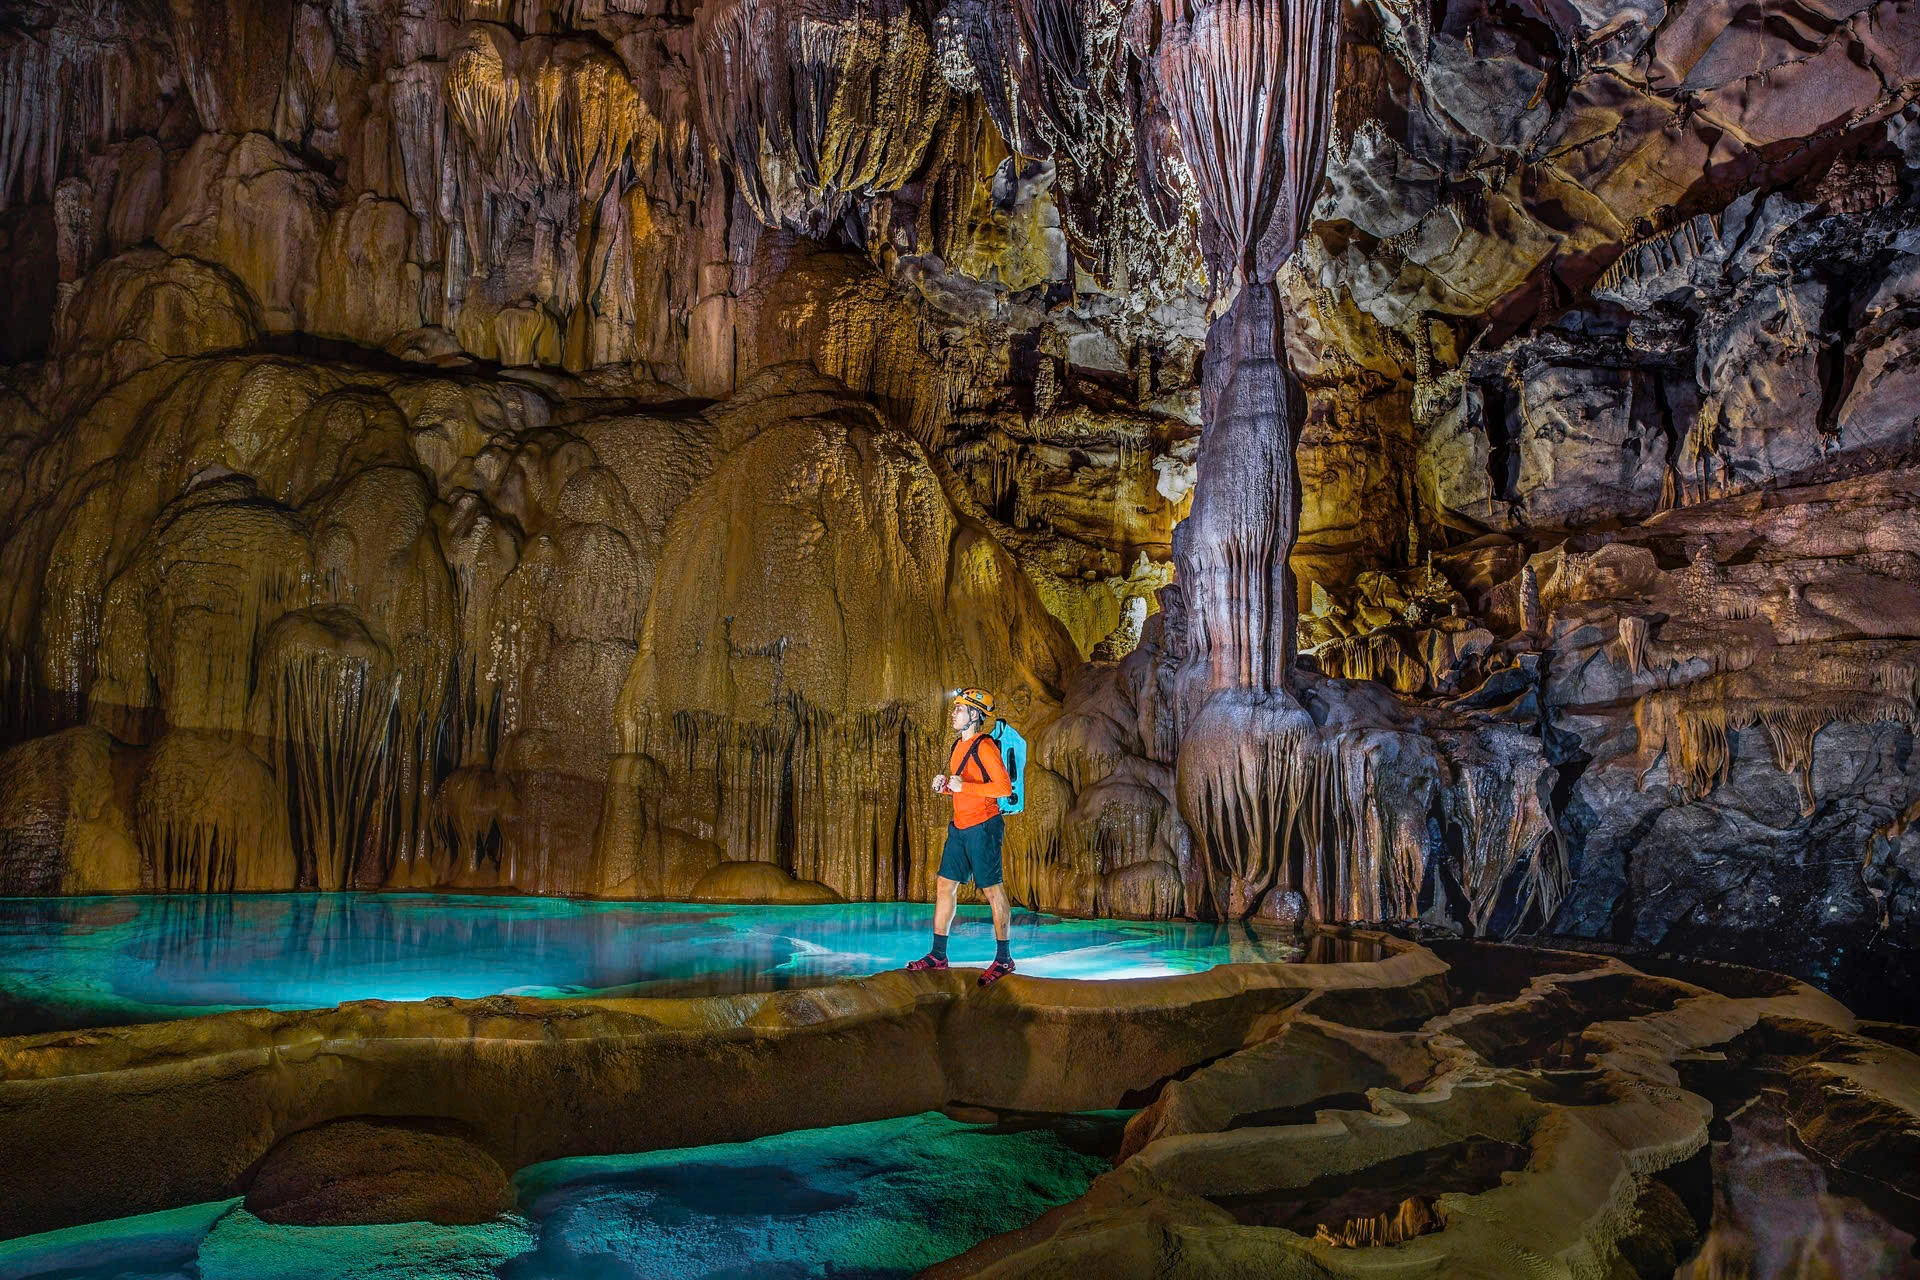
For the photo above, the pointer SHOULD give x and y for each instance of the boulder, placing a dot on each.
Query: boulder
(363, 1171)
(759, 882)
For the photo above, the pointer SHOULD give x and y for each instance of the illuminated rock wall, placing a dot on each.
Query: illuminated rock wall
(505, 442)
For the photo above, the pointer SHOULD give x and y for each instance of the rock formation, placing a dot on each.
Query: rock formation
(1482, 1109)
(1394, 462)
(1562, 1125)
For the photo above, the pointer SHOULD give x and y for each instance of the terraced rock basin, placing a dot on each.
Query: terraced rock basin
(109, 961)
(864, 1201)
(155, 1115)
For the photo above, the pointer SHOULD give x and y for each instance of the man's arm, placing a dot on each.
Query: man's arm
(998, 784)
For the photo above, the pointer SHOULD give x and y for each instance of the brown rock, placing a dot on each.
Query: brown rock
(64, 825)
(364, 1171)
(758, 882)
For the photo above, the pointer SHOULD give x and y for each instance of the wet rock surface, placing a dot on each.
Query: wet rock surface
(362, 1172)
(1699, 1133)
(1533, 1112)
(167, 1114)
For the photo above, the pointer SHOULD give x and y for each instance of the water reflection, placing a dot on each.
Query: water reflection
(98, 961)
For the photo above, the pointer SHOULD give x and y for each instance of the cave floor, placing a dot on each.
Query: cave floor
(1465, 1109)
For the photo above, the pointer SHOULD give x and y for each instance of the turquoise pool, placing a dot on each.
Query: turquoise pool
(102, 961)
(873, 1201)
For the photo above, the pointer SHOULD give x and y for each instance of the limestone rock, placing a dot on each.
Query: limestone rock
(816, 655)
(758, 882)
(361, 1172)
(64, 825)
(817, 106)
(537, 1080)
(1466, 1158)
(242, 202)
(233, 56)
(563, 448)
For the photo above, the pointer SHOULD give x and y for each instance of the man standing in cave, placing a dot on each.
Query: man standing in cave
(977, 778)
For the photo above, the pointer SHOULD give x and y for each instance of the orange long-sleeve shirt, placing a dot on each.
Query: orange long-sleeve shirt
(983, 781)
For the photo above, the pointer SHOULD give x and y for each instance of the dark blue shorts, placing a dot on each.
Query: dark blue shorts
(974, 853)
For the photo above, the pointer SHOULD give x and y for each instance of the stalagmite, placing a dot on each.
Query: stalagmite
(1248, 86)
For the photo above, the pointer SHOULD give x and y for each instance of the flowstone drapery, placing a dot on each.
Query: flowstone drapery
(1249, 86)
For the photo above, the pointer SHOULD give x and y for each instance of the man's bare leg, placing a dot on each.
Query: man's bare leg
(946, 895)
(1002, 920)
(1002, 911)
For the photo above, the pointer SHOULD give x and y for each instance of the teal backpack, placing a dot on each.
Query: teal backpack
(1013, 754)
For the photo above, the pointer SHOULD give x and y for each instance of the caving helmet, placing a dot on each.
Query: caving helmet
(979, 699)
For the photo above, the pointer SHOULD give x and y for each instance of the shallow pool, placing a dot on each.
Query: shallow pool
(859, 1202)
(102, 961)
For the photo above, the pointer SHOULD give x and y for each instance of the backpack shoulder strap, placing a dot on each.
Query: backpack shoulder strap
(973, 757)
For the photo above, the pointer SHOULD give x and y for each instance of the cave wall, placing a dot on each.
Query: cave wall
(590, 435)
(1663, 305)
(361, 411)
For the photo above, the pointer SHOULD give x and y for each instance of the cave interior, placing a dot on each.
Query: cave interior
(497, 498)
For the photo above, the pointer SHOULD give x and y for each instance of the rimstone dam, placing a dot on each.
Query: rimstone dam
(1077, 639)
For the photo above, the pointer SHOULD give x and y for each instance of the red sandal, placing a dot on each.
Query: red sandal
(996, 971)
(926, 962)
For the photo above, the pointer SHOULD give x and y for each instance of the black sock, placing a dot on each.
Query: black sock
(939, 951)
(1001, 950)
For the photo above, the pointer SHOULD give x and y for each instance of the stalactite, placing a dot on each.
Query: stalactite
(61, 91)
(210, 818)
(1060, 84)
(553, 133)
(1050, 865)
(325, 706)
(1291, 811)
(1789, 693)
(1504, 827)
(1249, 84)
(838, 799)
(812, 104)
(1633, 643)
(1378, 656)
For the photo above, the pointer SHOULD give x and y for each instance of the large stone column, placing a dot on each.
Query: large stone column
(1249, 85)
(1232, 548)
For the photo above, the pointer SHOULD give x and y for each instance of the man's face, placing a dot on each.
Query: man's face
(962, 717)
